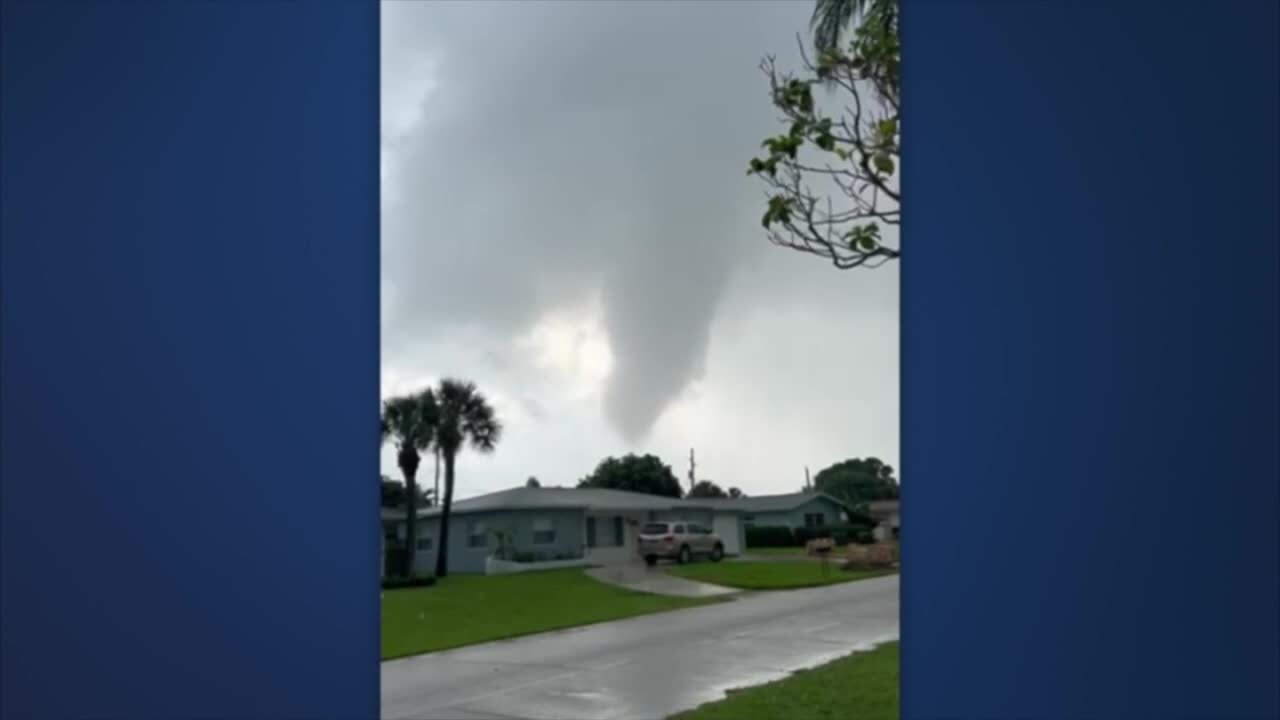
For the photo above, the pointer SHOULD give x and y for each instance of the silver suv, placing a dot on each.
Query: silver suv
(678, 540)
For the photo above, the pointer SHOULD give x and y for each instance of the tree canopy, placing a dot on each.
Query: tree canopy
(858, 481)
(831, 178)
(636, 473)
(532, 482)
(736, 493)
(707, 489)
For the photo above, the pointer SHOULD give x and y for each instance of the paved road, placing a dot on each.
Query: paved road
(644, 668)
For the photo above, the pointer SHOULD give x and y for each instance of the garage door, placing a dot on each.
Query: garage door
(726, 526)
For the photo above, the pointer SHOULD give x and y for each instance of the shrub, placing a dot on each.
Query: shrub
(770, 536)
(396, 583)
(537, 557)
(840, 534)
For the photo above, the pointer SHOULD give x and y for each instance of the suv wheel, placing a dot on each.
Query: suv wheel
(717, 553)
(650, 560)
(684, 555)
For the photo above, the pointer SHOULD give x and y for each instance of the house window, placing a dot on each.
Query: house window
(814, 520)
(591, 532)
(618, 536)
(477, 535)
(544, 531)
(424, 541)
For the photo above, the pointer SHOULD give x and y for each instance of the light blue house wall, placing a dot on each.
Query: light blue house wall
(831, 511)
(702, 517)
(570, 536)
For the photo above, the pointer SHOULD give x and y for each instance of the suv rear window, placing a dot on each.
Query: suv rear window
(654, 529)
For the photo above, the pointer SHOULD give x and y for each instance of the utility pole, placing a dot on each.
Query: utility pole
(692, 465)
(808, 486)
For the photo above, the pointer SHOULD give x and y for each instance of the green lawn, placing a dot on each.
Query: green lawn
(772, 575)
(862, 686)
(765, 551)
(467, 609)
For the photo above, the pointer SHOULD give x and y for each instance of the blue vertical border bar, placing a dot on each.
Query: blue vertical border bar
(1090, 398)
(189, 359)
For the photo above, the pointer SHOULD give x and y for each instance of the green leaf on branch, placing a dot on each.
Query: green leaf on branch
(779, 211)
(884, 163)
(864, 238)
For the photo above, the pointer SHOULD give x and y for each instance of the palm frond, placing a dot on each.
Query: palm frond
(466, 417)
(829, 20)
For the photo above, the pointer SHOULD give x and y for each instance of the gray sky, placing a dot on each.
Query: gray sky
(567, 221)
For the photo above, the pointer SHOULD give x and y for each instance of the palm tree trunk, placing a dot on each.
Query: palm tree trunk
(410, 523)
(442, 556)
(437, 495)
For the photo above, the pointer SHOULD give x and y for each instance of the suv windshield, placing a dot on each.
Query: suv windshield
(654, 529)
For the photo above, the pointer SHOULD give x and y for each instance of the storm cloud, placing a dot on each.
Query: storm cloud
(566, 217)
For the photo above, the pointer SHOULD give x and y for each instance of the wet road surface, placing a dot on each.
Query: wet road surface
(644, 668)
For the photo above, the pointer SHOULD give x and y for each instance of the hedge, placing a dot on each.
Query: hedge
(841, 534)
(778, 536)
(770, 536)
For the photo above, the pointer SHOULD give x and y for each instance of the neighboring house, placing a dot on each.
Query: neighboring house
(792, 511)
(595, 524)
(887, 517)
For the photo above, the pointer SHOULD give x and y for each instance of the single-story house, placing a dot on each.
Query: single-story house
(794, 510)
(597, 525)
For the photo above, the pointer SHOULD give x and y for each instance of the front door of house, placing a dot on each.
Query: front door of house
(608, 538)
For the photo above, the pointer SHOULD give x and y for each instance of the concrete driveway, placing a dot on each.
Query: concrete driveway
(644, 668)
(642, 578)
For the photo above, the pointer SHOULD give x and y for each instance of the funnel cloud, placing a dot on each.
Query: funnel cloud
(567, 221)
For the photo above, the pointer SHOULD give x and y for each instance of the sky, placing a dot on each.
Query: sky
(567, 222)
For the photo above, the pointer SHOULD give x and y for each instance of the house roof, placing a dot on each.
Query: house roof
(524, 498)
(767, 503)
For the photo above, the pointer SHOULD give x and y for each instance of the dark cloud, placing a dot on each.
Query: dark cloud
(567, 146)
(576, 150)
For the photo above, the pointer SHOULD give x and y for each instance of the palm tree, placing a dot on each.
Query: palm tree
(831, 18)
(409, 421)
(465, 416)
